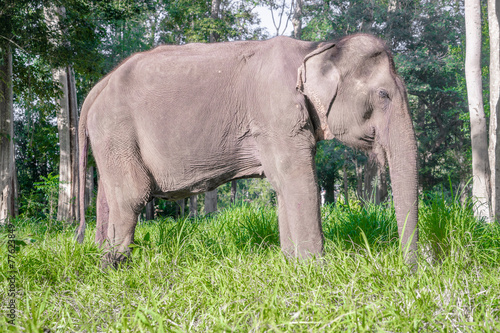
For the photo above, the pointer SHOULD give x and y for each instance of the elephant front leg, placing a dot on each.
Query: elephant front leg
(285, 236)
(302, 235)
(293, 176)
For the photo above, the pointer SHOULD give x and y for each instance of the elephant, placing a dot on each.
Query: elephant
(183, 119)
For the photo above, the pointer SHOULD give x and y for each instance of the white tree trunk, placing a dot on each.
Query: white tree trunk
(479, 136)
(8, 179)
(211, 201)
(494, 148)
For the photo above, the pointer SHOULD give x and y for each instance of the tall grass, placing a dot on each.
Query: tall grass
(226, 273)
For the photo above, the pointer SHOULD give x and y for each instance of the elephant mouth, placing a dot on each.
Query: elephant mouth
(364, 141)
(368, 139)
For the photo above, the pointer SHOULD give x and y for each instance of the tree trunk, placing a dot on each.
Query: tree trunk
(370, 181)
(150, 210)
(67, 125)
(330, 192)
(67, 209)
(193, 205)
(381, 194)
(297, 19)
(346, 185)
(181, 206)
(359, 178)
(375, 183)
(8, 179)
(234, 188)
(480, 163)
(89, 186)
(494, 148)
(214, 14)
(211, 201)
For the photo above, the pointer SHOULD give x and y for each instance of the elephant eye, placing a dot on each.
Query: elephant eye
(383, 94)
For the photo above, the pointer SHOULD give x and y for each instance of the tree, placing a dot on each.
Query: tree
(297, 19)
(89, 185)
(375, 184)
(494, 147)
(11, 33)
(150, 210)
(234, 190)
(283, 14)
(480, 163)
(214, 14)
(211, 201)
(67, 117)
(193, 205)
(8, 179)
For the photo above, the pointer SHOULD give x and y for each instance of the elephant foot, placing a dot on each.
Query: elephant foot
(302, 255)
(114, 259)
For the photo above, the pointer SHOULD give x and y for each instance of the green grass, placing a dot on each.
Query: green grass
(226, 273)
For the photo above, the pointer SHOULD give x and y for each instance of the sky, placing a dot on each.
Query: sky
(267, 21)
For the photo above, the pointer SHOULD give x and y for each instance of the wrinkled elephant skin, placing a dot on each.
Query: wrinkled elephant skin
(181, 120)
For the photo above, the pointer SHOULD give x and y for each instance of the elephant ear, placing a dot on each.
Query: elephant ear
(318, 79)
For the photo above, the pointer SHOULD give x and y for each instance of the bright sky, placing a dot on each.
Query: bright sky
(267, 21)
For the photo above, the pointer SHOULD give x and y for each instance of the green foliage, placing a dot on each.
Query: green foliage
(42, 201)
(227, 273)
(448, 226)
(37, 153)
(191, 21)
(357, 224)
(256, 191)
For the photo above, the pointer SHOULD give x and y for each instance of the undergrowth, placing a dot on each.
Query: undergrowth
(226, 273)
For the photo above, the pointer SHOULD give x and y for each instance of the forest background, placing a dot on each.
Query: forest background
(54, 52)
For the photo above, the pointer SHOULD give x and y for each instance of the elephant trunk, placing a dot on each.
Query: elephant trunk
(401, 152)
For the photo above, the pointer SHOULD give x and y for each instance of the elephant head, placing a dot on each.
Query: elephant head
(357, 97)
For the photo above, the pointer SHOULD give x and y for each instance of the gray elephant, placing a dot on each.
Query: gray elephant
(181, 120)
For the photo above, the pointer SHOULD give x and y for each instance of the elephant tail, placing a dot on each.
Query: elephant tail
(83, 141)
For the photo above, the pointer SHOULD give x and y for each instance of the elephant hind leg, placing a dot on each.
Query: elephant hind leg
(102, 216)
(120, 236)
(121, 225)
(124, 191)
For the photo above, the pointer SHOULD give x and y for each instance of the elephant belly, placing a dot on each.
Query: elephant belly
(187, 170)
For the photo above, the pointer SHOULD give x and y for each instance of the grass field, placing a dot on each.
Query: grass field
(226, 273)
